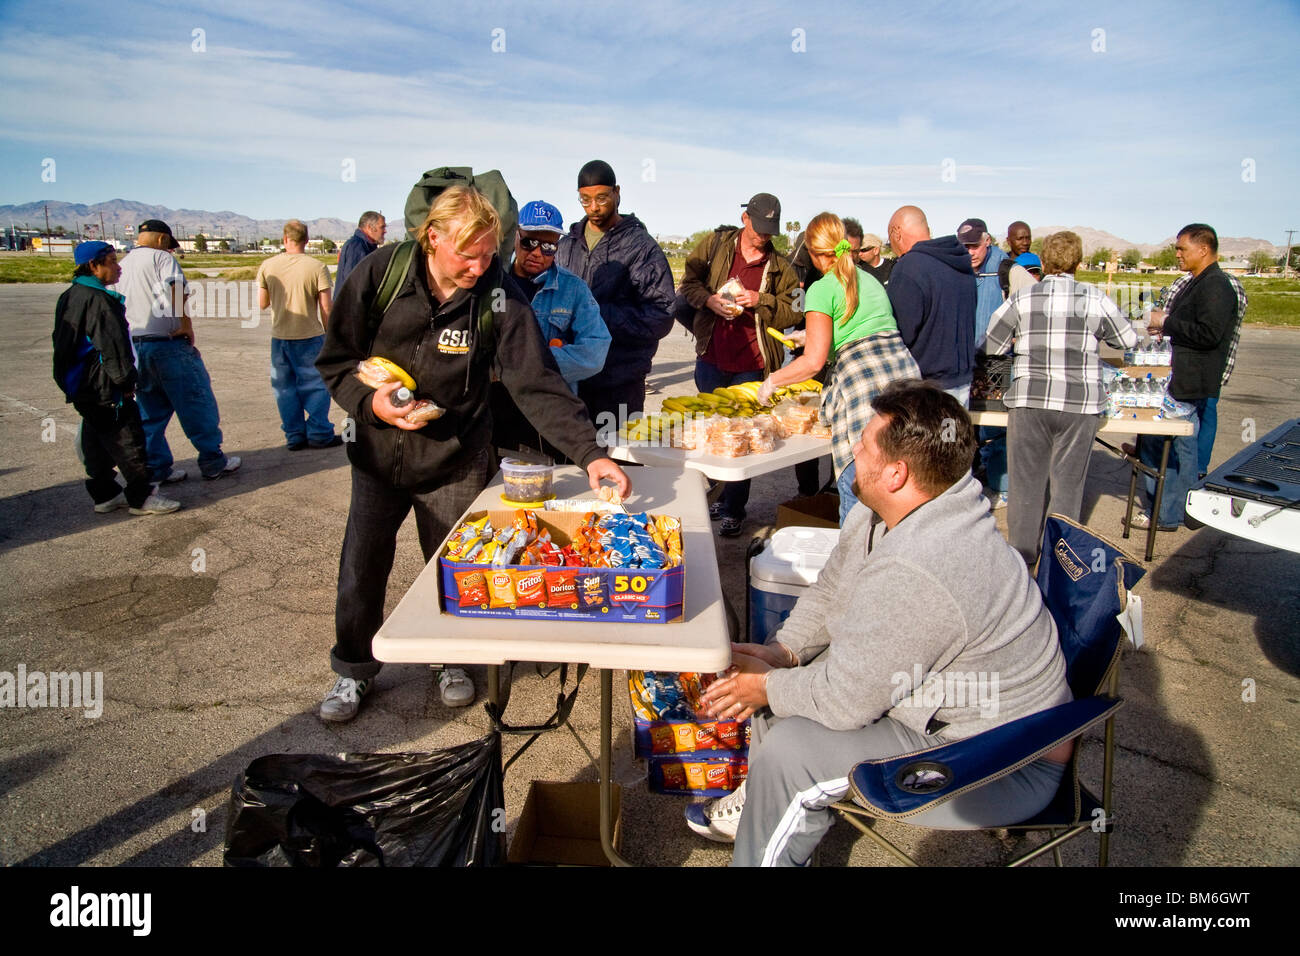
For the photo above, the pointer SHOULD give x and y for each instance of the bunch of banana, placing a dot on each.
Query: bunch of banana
(652, 428)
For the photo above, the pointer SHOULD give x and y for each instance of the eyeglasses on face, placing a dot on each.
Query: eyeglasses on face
(528, 245)
(604, 199)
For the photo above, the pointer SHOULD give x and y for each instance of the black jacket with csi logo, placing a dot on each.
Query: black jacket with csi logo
(438, 346)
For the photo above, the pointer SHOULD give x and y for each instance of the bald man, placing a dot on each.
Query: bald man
(932, 291)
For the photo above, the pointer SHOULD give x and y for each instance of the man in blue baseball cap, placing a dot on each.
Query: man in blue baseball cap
(566, 311)
(95, 368)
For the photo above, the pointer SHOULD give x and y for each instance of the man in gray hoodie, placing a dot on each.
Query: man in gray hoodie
(909, 640)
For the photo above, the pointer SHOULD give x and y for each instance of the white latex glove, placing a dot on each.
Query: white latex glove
(766, 391)
(799, 337)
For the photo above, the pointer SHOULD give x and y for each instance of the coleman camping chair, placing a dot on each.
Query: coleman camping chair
(1084, 581)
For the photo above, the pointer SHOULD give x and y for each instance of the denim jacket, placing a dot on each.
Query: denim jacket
(566, 310)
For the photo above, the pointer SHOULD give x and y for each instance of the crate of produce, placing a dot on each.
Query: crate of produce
(991, 382)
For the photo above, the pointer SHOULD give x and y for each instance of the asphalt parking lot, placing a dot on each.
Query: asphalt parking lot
(212, 628)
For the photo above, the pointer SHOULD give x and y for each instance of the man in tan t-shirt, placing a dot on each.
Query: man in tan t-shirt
(296, 288)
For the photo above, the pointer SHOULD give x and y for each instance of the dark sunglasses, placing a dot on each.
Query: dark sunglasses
(528, 245)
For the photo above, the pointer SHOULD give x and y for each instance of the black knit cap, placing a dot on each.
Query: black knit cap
(596, 173)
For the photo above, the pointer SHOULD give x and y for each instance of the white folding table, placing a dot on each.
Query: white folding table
(1135, 421)
(786, 452)
(419, 631)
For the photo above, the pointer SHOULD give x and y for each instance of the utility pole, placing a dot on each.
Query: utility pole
(1286, 254)
(49, 246)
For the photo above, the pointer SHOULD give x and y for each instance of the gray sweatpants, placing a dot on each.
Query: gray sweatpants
(1047, 459)
(798, 768)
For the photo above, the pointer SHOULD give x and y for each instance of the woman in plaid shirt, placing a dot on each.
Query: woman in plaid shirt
(851, 329)
(1057, 396)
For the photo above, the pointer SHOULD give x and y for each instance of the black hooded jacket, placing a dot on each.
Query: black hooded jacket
(438, 346)
(628, 274)
(932, 291)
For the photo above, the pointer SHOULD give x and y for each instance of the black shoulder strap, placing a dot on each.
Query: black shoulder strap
(486, 342)
(1004, 276)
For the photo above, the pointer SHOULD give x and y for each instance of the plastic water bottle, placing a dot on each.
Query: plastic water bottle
(401, 398)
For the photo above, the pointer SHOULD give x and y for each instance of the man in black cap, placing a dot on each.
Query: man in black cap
(173, 378)
(628, 274)
(731, 343)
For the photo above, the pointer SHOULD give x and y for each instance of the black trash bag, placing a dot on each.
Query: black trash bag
(412, 809)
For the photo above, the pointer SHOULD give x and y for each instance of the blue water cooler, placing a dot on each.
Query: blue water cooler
(780, 573)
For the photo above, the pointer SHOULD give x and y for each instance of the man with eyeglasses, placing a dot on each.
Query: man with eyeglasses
(629, 277)
(566, 312)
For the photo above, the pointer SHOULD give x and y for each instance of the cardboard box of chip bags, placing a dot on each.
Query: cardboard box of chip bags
(545, 592)
(685, 752)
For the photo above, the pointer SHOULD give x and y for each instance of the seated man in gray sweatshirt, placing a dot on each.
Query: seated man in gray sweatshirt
(912, 638)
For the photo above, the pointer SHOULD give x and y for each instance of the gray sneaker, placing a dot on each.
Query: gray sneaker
(344, 699)
(173, 476)
(156, 504)
(455, 686)
(232, 464)
(105, 507)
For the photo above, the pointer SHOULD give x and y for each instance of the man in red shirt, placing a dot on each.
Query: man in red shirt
(731, 343)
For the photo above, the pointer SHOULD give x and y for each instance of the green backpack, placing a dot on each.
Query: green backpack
(490, 184)
(421, 197)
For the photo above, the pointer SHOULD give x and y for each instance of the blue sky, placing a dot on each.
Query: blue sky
(1135, 118)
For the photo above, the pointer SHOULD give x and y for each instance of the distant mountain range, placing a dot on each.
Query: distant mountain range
(1230, 247)
(118, 214)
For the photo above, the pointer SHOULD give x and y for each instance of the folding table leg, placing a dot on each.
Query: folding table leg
(1160, 494)
(606, 774)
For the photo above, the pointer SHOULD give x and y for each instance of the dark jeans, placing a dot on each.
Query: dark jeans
(113, 438)
(993, 453)
(370, 543)
(808, 476)
(735, 494)
(511, 429)
(1048, 453)
(1205, 439)
(610, 406)
(1180, 473)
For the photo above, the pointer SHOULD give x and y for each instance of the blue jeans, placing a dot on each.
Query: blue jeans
(1181, 472)
(993, 452)
(844, 483)
(173, 379)
(1205, 440)
(735, 494)
(299, 388)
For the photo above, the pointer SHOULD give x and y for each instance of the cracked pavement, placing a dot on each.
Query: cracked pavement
(212, 628)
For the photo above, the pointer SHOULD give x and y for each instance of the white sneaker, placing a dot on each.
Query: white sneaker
(718, 819)
(156, 504)
(173, 476)
(344, 699)
(104, 507)
(232, 464)
(455, 686)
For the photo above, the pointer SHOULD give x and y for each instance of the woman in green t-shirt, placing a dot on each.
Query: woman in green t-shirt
(851, 328)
